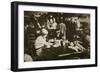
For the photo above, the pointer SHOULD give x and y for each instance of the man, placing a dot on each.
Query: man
(63, 29)
(52, 26)
(41, 44)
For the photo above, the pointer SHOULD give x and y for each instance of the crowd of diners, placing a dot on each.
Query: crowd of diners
(44, 31)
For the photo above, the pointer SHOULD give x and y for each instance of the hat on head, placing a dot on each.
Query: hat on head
(44, 31)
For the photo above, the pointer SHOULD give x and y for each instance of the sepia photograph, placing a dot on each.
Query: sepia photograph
(56, 36)
(52, 36)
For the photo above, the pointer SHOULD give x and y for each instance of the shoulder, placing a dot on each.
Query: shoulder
(39, 37)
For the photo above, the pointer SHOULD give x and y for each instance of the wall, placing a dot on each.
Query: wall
(5, 17)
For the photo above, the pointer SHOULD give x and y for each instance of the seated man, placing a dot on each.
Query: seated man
(40, 43)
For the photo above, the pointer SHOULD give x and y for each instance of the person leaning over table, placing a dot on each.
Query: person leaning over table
(41, 44)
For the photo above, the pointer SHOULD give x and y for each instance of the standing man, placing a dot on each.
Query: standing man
(52, 26)
(63, 29)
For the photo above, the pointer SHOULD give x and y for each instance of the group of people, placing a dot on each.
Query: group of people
(48, 33)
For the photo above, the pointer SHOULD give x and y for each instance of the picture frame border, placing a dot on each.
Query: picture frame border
(14, 35)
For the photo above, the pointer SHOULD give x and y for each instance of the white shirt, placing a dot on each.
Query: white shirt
(40, 42)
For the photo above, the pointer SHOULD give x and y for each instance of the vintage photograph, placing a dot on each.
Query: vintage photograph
(56, 36)
(52, 36)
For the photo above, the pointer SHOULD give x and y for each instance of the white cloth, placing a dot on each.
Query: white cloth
(40, 42)
(39, 45)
